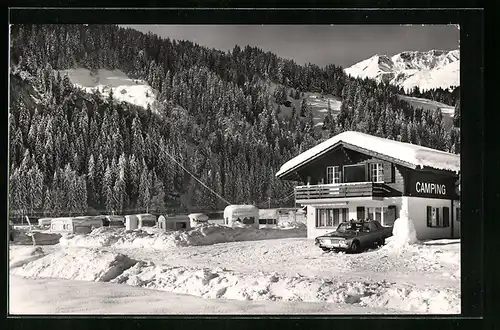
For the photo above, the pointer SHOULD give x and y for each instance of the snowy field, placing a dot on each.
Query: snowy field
(125, 89)
(260, 270)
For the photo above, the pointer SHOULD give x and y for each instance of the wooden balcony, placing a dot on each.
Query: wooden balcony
(322, 192)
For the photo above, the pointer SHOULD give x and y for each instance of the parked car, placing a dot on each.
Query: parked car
(354, 236)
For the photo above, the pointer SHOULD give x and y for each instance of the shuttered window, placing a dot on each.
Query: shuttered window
(436, 219)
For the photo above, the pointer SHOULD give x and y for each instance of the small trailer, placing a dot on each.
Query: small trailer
(75, 225)
(175, 222)
(197, 219)
(44, 222)
(131, 222)
(146, 220)
(244, 214)
(114, 221)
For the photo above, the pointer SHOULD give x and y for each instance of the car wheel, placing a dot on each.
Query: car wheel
(381, 242)
(354, 247)
(325, 249)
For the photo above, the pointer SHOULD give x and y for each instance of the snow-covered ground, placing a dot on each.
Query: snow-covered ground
(52, 296)
(419, 278)
(125, 89)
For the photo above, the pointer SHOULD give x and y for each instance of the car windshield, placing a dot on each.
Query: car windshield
(347, 226)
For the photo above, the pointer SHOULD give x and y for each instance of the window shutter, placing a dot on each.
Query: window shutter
(429, 216)
(446, 216)
(387, 172)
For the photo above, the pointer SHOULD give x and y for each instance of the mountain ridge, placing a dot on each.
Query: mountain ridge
(409, 69)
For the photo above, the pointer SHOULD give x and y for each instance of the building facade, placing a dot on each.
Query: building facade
(358, 176)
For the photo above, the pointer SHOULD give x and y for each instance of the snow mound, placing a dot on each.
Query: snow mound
(403, 232)
(415, 300)
(156, 239)
(124, 89)
(25, 256)
(225, 284)
(292, 224)
(77, 264)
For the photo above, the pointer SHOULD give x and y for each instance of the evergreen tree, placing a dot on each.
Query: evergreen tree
(456, 115)
(303, 108)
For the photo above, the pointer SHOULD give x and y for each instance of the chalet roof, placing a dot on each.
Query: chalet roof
(406, 154)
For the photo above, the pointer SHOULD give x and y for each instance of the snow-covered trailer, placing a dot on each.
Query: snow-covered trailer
(131, 222)
(146, 220)
(115, 221)
(162, 223)
(245, 214)
(268, 217)
(177, 222)
(76, 225)
(44, 222)
(196, 219)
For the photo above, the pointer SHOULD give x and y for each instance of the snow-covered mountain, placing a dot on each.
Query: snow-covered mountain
(427, 70)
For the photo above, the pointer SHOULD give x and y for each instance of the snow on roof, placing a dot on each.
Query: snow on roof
(408, 153)
(198, 216)
(232, 210)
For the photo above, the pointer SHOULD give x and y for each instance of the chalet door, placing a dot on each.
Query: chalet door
(354, 173)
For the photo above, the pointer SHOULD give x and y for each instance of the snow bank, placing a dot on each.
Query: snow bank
(415, 300)
(156, 239)
(77, 264)
(292, 224)
(18, 258)
(103, 266)
(406, 152)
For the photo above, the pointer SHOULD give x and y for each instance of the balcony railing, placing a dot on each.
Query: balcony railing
(341, 190)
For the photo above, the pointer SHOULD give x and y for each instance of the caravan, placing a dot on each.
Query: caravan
(241, 214)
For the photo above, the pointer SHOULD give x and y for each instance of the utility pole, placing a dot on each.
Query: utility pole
(269, 202)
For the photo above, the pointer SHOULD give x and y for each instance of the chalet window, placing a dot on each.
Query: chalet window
(375, 213)
(332, 174)
(437, 218)
(384, 215)
(329, 218)
(389, 216)
(376, 172)
(457, 212)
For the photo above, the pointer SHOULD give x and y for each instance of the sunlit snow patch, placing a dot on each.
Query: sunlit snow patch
(125, 89)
